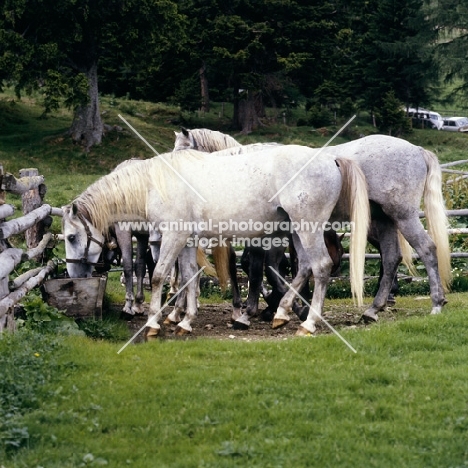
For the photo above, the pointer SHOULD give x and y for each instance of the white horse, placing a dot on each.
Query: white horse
(203, 195)
(256, 262)
(399, 175)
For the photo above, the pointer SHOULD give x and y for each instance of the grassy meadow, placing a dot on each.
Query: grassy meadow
(401, 400)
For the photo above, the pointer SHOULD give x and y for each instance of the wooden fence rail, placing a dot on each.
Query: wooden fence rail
(34, 223)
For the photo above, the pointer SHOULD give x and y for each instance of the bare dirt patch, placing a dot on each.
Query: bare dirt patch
(213, 321)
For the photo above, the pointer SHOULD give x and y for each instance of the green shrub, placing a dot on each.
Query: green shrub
(108, 329)
(38, 315)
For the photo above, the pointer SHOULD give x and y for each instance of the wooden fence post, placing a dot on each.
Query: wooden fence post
(32, 199)
(2, 192)
(4, 290)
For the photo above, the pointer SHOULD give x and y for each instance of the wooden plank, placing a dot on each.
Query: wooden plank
(19, 186)
(8, 261)
(6, 210)
(4, 290)
(454, 171)
(376, 256)
(21, 279)
(3, 244)
(454, 163)
(14, 297)
(2, 192)
(39, 250)
(15, 226)
(449, 213)
(56, 211)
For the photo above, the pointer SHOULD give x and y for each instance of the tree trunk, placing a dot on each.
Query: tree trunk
(87, 127)
(205, 93)
(248, 117)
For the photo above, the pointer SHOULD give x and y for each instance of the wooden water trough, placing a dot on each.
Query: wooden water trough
(78, 297)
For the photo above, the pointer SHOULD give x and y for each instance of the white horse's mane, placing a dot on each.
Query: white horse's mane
(212, 140)
(124, 191)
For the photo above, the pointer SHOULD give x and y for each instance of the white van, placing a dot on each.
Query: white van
(427, 117)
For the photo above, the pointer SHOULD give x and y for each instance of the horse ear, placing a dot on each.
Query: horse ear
(340, 238)
(74, 209)
(185, 131)
(176, 133)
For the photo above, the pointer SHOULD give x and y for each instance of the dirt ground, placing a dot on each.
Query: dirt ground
(213, 321)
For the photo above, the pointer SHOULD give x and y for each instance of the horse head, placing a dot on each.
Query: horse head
(83, 242)
(184, 140)
(335, 249)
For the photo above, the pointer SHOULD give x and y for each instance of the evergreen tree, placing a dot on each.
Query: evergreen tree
(56, 47)
(397, 53)
(450, 19)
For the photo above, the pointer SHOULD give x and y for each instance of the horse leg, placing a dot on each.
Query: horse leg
(140, 271)
(313, 258)
(124, 239)
(414, 233)
(188, 268)
(301, 278)
(155, 246)
(175, 316)
(383, 233)
(255, 273)
(236, 296)
(174, 281)
(273, 266)
(180, 301)
(171, 246)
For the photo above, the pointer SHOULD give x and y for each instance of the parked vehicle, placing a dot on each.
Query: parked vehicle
(456, 124)
(425, 118)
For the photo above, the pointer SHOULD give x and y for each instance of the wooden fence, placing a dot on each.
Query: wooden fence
(34, 223)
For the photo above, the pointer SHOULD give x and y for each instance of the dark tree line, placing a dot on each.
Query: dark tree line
(343, 54)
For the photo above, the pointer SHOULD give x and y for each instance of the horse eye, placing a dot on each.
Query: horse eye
(71, 238)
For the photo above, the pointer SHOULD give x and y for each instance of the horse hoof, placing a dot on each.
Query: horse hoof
(138, 310)
(267, 315)
(169, 322)
(179, 331)
(124, 315)
(301, 331)
(304, 313)
(152, 332)
(278, 323)
(240, 326)
(391, 300)
(369, 317)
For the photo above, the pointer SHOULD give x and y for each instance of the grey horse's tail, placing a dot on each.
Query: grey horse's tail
(355, 192)
(437, 222)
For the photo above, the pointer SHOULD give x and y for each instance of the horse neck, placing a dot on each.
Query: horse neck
(211, 141)
(112, 199)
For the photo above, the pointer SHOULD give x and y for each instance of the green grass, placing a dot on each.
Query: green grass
(400, 401)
